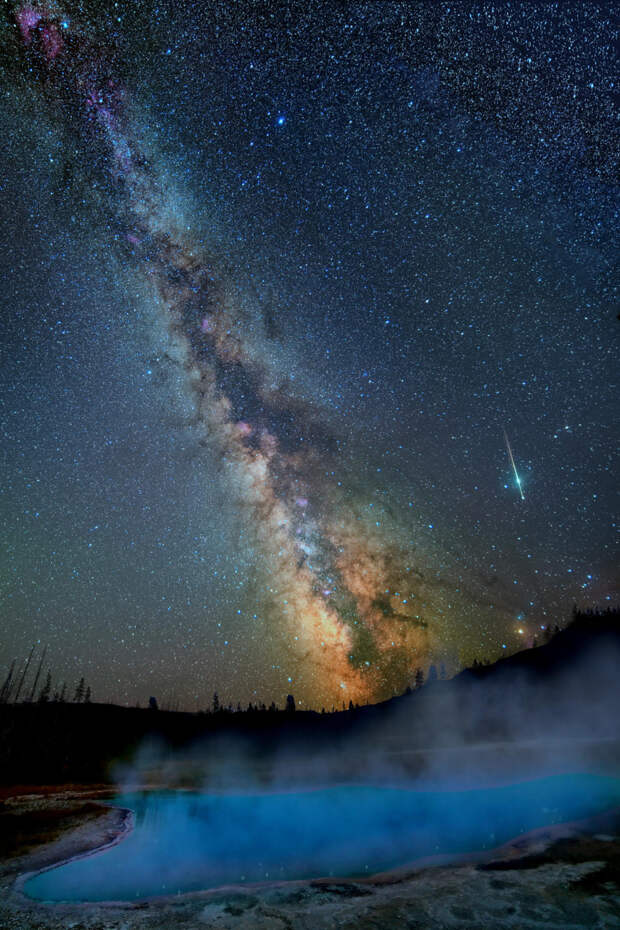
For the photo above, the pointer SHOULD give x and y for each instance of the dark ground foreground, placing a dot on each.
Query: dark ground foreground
(563, 877)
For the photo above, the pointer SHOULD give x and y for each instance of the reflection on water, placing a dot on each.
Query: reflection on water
(184, 841)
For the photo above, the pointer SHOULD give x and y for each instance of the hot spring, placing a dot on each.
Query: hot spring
(184, 841)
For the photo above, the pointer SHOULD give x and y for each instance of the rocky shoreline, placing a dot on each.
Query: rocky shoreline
(562, 877)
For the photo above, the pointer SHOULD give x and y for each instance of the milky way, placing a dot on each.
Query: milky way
(333, 583)
(354, 591)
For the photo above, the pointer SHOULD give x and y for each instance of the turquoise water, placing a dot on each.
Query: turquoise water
(184, 841)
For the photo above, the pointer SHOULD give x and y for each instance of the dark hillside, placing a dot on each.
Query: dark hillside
(568, 688)
(587, 631)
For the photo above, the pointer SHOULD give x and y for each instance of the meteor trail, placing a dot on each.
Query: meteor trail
(514, 467)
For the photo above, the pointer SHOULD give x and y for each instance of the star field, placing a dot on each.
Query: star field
(276, 281)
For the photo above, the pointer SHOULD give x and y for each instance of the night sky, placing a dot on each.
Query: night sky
(276, 279)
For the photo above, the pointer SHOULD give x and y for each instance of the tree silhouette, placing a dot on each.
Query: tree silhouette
(78, 697)
(6, 687)
(23, 677)
(290, 704)
(44, 694)
(216, 702)
(36, 678)
(419, 677)
(87, 696)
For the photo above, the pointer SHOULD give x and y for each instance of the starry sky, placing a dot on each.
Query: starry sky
(280, 281)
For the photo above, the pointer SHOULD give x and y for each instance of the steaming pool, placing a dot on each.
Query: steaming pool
(185, 841)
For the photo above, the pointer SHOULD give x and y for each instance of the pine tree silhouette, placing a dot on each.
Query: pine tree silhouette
(6, 687)
(44, 694)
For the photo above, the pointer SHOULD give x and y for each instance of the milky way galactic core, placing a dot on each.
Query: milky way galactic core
(347, 586)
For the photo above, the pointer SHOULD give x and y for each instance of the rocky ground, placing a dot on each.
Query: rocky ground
(564, 878)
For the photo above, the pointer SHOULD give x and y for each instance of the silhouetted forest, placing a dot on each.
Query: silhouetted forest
(17, 686)
(23, 683)
(565, 686)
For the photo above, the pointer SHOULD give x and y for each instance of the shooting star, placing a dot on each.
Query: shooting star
(514, 467)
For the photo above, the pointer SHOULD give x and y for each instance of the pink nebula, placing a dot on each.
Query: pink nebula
(27, 20)
(52, 41)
